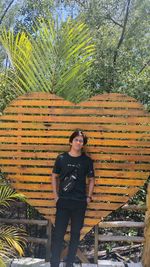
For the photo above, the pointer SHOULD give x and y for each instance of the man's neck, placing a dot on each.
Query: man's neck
(75, 153)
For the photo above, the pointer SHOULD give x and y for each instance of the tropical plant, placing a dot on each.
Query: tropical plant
(55, 58)
(12, 239)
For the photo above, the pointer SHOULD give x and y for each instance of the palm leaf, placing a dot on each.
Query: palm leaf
(8, 194)
(51, 59)
(12, 241)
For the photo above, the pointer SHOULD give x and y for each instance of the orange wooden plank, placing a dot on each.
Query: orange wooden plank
(106, 96)
(40, 133)
(32, 186)
(92, 221)
(30, 178)
(101, 127)
(122, 182)
(113, 96)
(41, 202)
(66, 126)
(34, 154)
(23, 170)
(48, 211)
(35, 147)
(121, 174)
(62, 148)
(117, 157)
(76, 119)
(39, 95)
(50, 140)
(93, 205)
(76, 111)
(110, 198)
(40, 194)
(115, 190)
(104, 206)
(103, 157)
(116, 104)
(90, 149)
(44, 102)
(125, 166)
(28, 162)
(24, 125)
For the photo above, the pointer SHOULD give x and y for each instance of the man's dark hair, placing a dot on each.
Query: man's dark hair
(78, 133)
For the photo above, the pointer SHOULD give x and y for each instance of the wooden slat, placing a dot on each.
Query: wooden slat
(44, 187)
(65, 126)
(122, 182)
(39, 195)
(113, 164)
(97, 142)
(39, 95)
(40, 133)
(121, 174)
(121, 224)
(76, 119)
(43, 102)
(73, 111)
(101, 127)
(89, 149)
(30, 178)
(118, 157)
(26, 162)
(34, 147)
(114, 104)
(24, 170)
(112, 97)
(118, 166)
(115, 190)
(136, 239)
(46, 195)
(102, 157)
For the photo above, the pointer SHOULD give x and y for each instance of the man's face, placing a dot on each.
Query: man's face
(77, 143)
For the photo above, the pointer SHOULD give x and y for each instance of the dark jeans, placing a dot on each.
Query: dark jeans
(73, 210)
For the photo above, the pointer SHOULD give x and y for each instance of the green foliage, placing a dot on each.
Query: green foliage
(52, 59)
(31, 11)
(12, 239)
(7, 194)
(130, 74)
(6, 92)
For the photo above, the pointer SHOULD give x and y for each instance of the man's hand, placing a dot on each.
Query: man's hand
(88, 199)
(56, 198)
(54, 185)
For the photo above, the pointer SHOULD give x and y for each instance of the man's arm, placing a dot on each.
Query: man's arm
(91, 188)
(55, 185)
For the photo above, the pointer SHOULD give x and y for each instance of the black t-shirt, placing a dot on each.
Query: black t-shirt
(64, 164)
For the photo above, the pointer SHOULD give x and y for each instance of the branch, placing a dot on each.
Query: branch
(123, 32)
(145, 65)
(5, 11)
(117, 23)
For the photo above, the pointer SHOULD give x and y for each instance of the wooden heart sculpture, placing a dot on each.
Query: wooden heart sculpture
(35, 128)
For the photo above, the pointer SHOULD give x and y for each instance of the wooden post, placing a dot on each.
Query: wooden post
(146, 251)
(48, 245)
(96, 244)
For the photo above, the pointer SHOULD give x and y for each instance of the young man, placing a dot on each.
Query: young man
(71, 204)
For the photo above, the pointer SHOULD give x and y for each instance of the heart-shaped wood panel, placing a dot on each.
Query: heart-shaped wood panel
(35, 128)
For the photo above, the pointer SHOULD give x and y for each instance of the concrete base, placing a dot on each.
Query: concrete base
(104, 263)
(34, 262)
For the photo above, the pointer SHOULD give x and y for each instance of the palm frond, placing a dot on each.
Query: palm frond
(8, 194)
(51, 59)
(12, 238)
